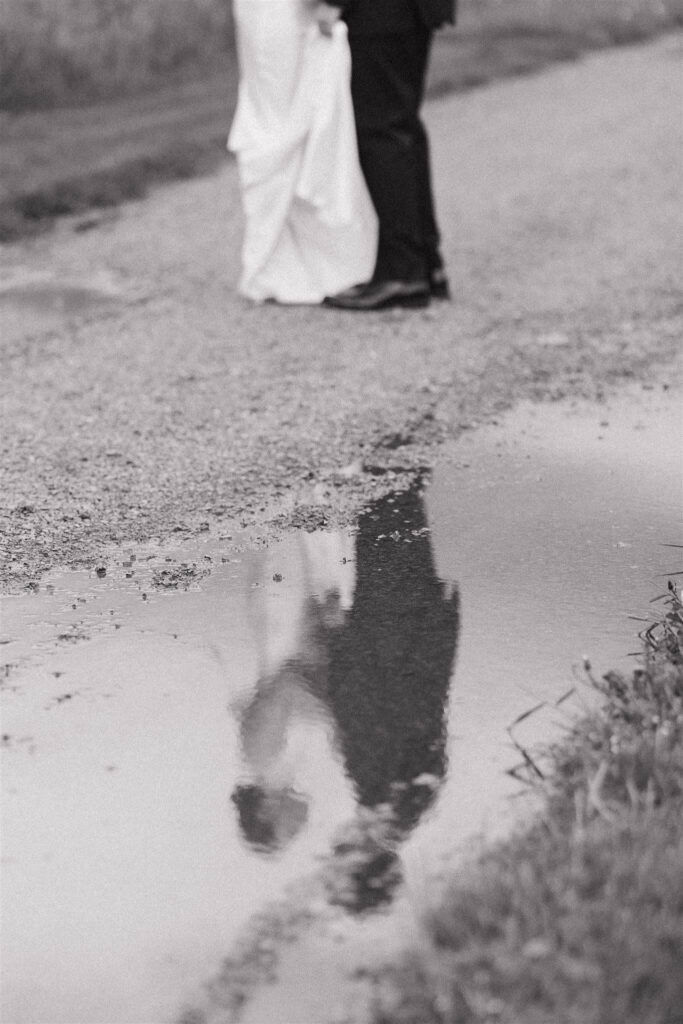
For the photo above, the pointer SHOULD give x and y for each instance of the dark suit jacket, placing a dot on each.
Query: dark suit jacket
(373, 17)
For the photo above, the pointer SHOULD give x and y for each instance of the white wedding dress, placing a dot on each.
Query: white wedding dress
(310, 227)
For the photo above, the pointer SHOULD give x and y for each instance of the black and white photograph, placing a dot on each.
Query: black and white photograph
(341, 531)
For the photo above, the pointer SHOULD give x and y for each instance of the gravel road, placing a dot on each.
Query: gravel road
(144, 399)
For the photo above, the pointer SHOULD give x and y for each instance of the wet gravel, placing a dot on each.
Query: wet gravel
(173, 408)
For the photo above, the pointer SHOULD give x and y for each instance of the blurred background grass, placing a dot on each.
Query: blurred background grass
(101, 98)
(57, 52)
(65, 52)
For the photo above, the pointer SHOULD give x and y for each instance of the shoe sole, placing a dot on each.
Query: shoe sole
(396, 301)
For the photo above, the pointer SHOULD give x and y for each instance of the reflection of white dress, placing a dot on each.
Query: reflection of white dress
(311, 229)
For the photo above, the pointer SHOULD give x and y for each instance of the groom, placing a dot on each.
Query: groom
(390, 42)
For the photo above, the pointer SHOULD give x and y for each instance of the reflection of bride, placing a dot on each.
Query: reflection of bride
(286, 738)
(310, 230)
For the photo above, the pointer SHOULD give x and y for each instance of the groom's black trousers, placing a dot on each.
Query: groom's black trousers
(387, 84)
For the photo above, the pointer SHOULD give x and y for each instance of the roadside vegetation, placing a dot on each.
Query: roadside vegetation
(578, 918)
(64, 52)
(100, 99)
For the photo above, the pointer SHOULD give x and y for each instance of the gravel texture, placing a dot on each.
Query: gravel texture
(144, 399)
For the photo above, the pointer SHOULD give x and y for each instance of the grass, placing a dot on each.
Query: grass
(578, 918)
(61, 52)
(102, 99)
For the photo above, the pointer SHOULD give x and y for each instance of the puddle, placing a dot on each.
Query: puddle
(34, 303)
(193, 730)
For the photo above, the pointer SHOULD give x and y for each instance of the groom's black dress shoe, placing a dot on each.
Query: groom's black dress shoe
(377, 295)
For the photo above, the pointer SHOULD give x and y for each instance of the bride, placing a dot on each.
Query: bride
(310, 227)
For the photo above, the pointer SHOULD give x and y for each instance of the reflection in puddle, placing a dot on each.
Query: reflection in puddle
(174, 758)
(388, 678)
(194, 750)
(376, 668)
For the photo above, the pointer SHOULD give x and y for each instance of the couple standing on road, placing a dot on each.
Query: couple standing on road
(332, 154)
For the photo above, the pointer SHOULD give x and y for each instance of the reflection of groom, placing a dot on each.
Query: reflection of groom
(390, 664)
(390, 42)
(388, 679)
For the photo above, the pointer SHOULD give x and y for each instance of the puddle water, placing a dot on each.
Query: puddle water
(39, 303)
(186, 734)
